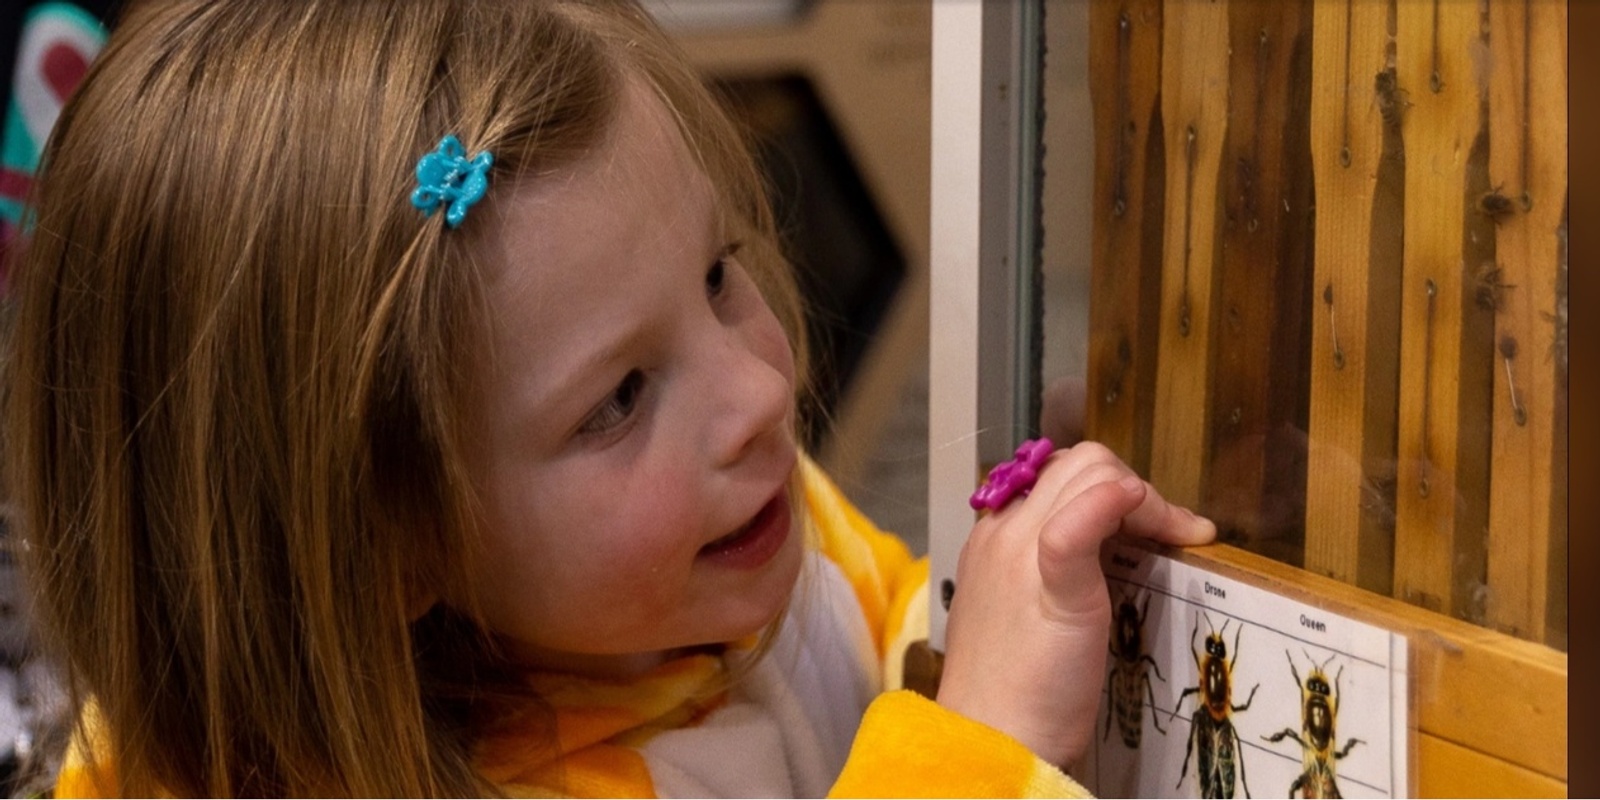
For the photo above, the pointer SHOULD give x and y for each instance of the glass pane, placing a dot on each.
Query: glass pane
(1306, 269)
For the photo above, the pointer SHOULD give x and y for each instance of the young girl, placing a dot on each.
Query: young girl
(402, 402)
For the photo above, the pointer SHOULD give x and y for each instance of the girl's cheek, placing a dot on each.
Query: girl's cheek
(661, 522)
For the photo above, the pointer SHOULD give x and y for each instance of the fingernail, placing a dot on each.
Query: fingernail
(1131, 483)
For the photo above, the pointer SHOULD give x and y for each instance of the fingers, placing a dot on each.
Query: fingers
(1069, 544)
(1072, 472)
(1157, 519)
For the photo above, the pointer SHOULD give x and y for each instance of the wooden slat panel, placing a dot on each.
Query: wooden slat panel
(1446, 769)
(1446, 341)
(1355, 142)
(1125, 279)
(1255, 488)
(1528, 126)
(1194, 113)
(1480, 689)
(1489, 709)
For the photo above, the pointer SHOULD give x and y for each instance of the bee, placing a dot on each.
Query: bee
(1128, 682)
(1488, 288)
(1494, 205)
(1319, 713)
(1392, 100)
(1211, 731)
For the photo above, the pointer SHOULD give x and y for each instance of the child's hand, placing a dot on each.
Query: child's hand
(1025, 646)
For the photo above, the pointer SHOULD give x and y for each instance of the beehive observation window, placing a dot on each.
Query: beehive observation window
(1304, 266)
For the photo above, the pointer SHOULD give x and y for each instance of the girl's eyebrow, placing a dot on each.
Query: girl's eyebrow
(572, 379)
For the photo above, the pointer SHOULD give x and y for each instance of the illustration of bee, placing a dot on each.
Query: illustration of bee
(1211, 731)
(1319, 713)
(1128, 682)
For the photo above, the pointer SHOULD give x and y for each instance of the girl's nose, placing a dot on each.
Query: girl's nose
(756, 401)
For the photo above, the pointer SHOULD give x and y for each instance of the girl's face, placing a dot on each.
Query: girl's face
(632, 420)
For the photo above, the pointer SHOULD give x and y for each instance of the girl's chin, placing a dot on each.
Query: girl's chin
(760, 606)
(594, 665)
(743, 621)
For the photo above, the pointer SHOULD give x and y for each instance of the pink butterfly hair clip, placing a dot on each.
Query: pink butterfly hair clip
(1012, 478)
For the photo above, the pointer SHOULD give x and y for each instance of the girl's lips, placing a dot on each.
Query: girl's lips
(754, 544)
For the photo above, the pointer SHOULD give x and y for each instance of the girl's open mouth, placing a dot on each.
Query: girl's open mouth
(757, 541)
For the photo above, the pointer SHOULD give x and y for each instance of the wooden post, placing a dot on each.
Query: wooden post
(1446, 339)
(1194, 114)
(1125, 279)
(1257, 474)
(1527, 168)
(1356, 149)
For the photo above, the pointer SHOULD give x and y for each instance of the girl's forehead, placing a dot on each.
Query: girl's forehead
(639, 193)
(643, 141)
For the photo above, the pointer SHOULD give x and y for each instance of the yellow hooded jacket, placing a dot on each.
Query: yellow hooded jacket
(809, 716)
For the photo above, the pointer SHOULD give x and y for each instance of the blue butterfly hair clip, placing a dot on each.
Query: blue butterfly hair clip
(446, 177)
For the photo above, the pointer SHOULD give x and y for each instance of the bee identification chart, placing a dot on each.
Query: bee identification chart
(1216, 688)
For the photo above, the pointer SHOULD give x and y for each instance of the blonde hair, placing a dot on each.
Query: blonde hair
(235, 366)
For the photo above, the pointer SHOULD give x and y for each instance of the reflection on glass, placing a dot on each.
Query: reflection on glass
(1306, 269)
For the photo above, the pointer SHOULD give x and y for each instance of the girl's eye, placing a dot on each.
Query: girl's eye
(616, 408)
(717, 276)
